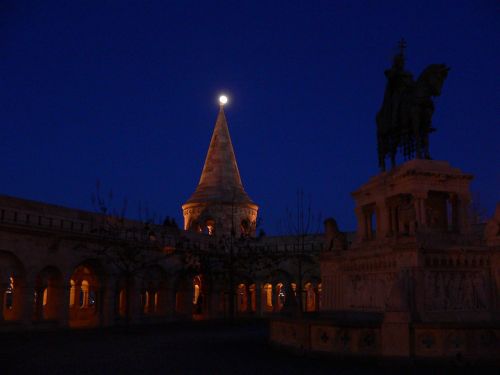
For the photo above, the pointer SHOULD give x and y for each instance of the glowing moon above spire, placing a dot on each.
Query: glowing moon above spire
(222, 99)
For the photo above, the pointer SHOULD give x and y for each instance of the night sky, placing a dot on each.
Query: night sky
(126, 92)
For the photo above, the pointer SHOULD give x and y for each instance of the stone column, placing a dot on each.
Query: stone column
(368, 225)
(383, 219)
(135, 302)
(169, 302)
(3, 288)
(463, 213)
(316, 297)
(419, 206)
(394, 221)
(63, 305)
(107, 305)
(275, 298)
(216, 302)
(390, 223)
(361, 228)
(423, 212)
(185, 300)
(38, 313)
(249, 299)
(27, 302)
(258, 299)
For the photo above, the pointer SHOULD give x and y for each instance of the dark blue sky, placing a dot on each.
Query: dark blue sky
(126, 92)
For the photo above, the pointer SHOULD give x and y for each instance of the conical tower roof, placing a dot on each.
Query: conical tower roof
(220, 179)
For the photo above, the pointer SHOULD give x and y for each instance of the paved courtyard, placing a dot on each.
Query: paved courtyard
(176, 348)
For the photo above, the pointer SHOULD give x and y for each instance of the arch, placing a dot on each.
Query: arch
(282, 282)
(245, 227)
(48, 294)
(183, 294)
(198, 295)
(12, 282)
(194, 226)
(154, 291)
(309, 297)
(252, 291)
(209, 226)
(311, 294)
(280, 296)
(242, 298)
(85, 291)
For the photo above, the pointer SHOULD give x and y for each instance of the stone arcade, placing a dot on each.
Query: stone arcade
(53, 272)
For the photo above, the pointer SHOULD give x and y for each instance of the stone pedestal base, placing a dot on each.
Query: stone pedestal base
(395, 334)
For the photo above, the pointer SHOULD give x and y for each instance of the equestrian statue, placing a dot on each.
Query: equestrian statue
(404, 121)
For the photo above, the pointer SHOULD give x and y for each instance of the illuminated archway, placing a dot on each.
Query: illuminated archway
(84, 297)
(48, 294)
(267, 292)
(12, 282)
(154, 291)
(281, 296)
(242, 298)
(310, 297)
(210, 227)
(198, 296)
(252, 290)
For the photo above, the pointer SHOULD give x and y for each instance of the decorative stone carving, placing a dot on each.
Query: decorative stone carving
(368, 291)
(455, 291)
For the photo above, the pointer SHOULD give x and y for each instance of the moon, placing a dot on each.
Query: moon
(223, 99)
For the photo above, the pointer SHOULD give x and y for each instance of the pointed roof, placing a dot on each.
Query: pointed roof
(220, 179)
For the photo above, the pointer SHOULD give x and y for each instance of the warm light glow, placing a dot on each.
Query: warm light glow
(223, 99)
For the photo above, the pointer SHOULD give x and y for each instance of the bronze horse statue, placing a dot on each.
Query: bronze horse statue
(404, 121)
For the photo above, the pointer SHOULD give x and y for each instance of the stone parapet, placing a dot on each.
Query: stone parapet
(393, 338)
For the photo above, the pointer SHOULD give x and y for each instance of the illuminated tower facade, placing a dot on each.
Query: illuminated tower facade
(220, 206)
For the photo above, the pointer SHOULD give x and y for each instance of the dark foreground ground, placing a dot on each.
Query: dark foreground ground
(180, 348)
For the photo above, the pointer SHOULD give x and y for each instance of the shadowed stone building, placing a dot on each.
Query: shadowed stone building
(64, 267)
(419, 281)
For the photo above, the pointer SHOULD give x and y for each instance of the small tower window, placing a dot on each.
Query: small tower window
(245, 227)
(210, 224)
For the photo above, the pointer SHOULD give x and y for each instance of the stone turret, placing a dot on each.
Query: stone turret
(220, 203)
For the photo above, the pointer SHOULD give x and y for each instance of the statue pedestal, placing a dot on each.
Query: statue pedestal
(417, 196)
(417, 262)
(418, 282)
(395, 333)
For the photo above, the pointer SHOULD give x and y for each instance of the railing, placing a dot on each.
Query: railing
(32, 219)
(96, 227)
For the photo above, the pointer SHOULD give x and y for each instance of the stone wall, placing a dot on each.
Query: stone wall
(417, 341)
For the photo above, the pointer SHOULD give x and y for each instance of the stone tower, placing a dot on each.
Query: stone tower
(220, 204)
